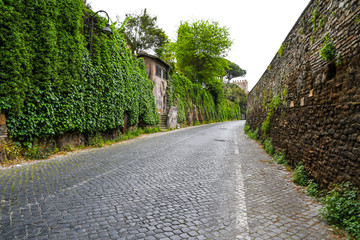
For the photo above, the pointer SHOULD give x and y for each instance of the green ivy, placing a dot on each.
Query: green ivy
(184, 94)
(51, 85)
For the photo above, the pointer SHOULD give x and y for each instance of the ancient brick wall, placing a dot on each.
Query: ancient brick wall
(319, 120)
(3, 135)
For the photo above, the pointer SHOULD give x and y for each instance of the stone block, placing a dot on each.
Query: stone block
(172, 117)
(3, 132)
(70, 139)
(2, 119)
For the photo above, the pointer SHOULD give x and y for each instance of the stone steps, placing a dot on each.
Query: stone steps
(163, 122)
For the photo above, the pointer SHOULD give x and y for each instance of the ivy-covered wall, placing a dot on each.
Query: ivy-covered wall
(314, 82)
(49, 82)
(197, 104)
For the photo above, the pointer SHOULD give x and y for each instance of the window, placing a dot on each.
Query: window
(164, 74)
(158, 71)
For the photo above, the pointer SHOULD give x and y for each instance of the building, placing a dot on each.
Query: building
(243, 84)
(157, 71)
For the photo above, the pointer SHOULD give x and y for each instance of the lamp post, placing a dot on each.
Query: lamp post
(106, 29)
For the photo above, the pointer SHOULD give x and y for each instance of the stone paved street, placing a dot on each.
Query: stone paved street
(206, 182)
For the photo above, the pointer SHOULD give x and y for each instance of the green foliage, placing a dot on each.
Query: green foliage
(313, 19)
(12, 149)
(235, 94)
(247, 128)
(167, 53)
(184, 94)
(299, 176)
(52, 85)
(269, 68)
(144, 33)
(280, 158)
(268, 146)
(327, 53)
(322, 21)
(96, 140)
(233, 71)
(281, 50)
(37, 151)
(312, 189)
(272, 106)
(252, 134)
(342, 208)
(200, 50)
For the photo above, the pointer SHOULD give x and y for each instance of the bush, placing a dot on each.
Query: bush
(280, 158)
(268, 146)
(12, 149)
(312, 189)
(246, 127)
(299, 176)
(253, 135)
(342, 208)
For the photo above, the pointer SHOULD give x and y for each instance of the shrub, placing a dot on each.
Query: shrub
(299, 176)
(12, 149)
(280, 158)
(312, 189)
(96, 141)
(246, 127)
(253, 135)
(37, 151)
(268, 146)
(342, 208)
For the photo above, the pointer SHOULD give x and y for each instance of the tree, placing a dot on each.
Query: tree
(200, 50)
(235, 94)
(167, 54)
(234, 71)
(143, 32)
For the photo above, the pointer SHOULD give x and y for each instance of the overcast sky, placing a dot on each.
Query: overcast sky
(257, 27)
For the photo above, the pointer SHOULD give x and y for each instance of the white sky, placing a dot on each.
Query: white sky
(257, 27)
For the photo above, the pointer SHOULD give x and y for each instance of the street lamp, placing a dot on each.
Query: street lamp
(106, 29)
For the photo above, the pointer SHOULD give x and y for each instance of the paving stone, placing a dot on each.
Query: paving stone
(184, 184)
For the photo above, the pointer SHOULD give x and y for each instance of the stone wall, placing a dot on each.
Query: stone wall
(3, 135)
(319, 120)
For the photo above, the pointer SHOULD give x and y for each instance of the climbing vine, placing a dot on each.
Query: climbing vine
(185, 95)
(50, 84)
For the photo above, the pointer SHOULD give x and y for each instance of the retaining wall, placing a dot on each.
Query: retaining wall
(319, 120)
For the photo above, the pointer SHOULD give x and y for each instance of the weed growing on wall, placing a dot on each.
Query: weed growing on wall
(313, 19)
(272, 106)
(281, 50)
(327, 53)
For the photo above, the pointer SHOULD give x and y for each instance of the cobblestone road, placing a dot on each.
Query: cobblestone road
(207, 182)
